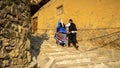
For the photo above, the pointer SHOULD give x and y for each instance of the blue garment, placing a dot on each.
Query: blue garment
(60, 34)
(61, 29)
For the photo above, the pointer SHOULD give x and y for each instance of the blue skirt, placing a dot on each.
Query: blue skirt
(60, 38)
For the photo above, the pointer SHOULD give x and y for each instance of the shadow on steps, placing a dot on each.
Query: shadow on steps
(35, 44)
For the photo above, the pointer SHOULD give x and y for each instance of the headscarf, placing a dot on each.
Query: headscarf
(59, 28)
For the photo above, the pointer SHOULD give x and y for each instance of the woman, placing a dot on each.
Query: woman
(60, 34)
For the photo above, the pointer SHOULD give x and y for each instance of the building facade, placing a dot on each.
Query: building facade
(92, 17)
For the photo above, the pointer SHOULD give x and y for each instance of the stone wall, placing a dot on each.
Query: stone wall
(14, 28)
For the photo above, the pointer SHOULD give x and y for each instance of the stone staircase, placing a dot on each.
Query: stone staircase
(55, 56)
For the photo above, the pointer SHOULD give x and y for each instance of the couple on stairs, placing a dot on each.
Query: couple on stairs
(62, 33)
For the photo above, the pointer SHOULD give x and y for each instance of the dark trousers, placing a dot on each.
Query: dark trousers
(72, 39)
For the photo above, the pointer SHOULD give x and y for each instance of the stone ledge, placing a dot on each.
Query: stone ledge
(49, 63)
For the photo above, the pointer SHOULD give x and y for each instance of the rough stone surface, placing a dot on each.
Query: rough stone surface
(14, 30)
(88, 55)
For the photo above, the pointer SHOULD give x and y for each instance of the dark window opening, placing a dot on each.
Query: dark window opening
(60, 10)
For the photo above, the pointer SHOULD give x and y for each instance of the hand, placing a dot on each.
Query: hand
(73, 31)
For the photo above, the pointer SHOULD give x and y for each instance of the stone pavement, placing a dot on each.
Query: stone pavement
(56, 56)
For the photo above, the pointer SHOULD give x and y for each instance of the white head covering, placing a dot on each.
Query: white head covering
(61, 21)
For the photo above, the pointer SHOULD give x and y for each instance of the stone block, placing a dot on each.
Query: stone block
(29, 58)
(1, 42)
(6, 63)
(13, 45)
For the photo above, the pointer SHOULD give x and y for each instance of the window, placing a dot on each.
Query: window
(60, 10)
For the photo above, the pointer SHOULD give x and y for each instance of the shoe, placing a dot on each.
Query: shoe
(69, 46)
(63, 45)
(77, 47)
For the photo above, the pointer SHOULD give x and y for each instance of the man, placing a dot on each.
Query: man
(72, 31)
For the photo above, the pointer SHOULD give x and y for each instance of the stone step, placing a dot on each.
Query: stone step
(114, 64)
(71, 63)
(71, 49)
(58, 53)
(101, 65)
(83, 62)
(44, 47)
(69, 57)
(74, 56)
(52, 50)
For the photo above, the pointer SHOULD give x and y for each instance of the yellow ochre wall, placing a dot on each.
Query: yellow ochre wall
(86, 14)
